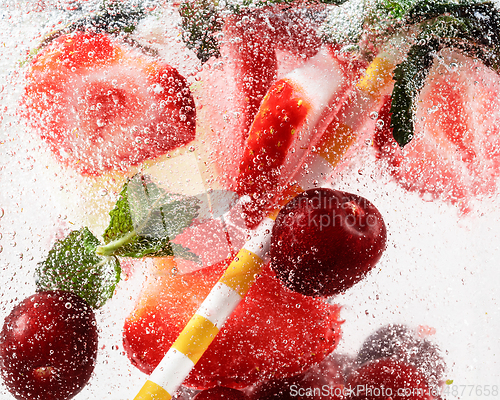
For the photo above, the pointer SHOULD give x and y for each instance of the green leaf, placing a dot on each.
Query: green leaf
(201, 23)
(459, 33)
(72, 265)
(344, 24)
(410, 77)
(184, 253)
(145, 219)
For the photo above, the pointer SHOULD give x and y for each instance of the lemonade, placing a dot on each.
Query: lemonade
(437, 275)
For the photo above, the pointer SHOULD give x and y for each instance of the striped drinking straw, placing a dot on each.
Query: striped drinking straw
(239, 276)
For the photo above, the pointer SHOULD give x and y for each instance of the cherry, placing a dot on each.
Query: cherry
(324, 241)
(48, 346)
(221, 392)
(386, 378)
(321, 381)
(399, 342)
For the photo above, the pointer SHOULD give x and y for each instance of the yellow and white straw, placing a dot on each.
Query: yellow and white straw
(243, 270)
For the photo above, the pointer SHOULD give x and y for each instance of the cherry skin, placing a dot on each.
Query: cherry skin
(324, 241)
(386, 378)
(323, 381)
(401, 343)
(48, 346)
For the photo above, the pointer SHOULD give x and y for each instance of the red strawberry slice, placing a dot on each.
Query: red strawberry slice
(256, 43)
(101, 105)
(454, 155)
(272, 333)
(295, 112)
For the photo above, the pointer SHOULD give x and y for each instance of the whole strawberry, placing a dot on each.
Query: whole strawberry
(100, 104)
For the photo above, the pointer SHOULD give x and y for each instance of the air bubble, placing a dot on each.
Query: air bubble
(68, 305)
(374, 115)
(380, 123)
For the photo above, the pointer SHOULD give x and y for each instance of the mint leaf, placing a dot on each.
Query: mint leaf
(182, 252)
(410, 77)
(145, 219)
(72, 265)
(344, 24)
(201, 23)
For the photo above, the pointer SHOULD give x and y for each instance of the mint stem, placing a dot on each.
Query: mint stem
(110, 248)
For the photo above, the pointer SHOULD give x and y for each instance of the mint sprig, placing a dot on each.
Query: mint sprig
(459, 32)
(142, 223)
(145, 219)
(73, 265)
(470, 27)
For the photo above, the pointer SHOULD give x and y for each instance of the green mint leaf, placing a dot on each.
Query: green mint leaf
(184, 253)
(409, 79)
(145, 219)
(344, 24)
(396, 9)
(201, 23)
(72, 265)
(113, 17)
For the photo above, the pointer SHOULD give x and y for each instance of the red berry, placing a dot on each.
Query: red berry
(256, 46)
(220, 392)
(101, 105)
(402, 343)
(454, 153)
(324, 241)
(273, 332)
(320, 382)
(387, 379)
(48, 346)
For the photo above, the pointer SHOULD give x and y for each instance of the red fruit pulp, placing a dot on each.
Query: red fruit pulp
(48, 346)
(222, 393)
(273, 333)
(454, 155)
(252, 52)
(101, 105)
(280, 116)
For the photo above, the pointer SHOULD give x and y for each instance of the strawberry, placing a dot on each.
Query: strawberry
(454, 153)
(257, 45)
(100, 104)
(272, 333)
(295, 111)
